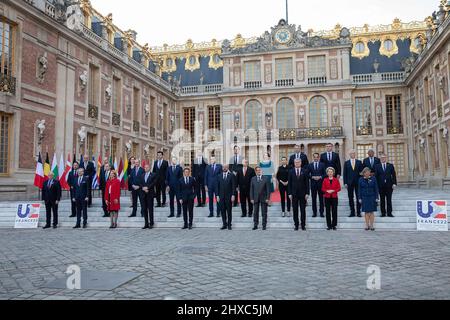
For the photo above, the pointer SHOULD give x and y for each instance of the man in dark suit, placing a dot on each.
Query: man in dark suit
(104, 177)
(213, 170)
(387, 182)
(298, 190)
(89, 172)
(316, 174)
(235, 164)
(51, 195)
(71, 181)
(174, 174)
(260, 197)
(299, 154)
(186, 194)
(352, 173)
(160, 169)
(198, 172)
(226, 186)
(81, 198)
(147, 182)
(332, 160)
(371, 161)
(130, 168)
(133, 179)
(244, 178)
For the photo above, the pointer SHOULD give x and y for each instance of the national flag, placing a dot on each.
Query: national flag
(124, 180)
(143, 163)
(116, 165)
(111, 162)
(61, 167)
(39, 175)
(46, 168)
(120, 171)
(94, 178)
(55, 167)
(99, 167)
(65, 176)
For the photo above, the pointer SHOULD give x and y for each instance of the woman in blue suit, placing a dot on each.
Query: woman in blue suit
(368, 197)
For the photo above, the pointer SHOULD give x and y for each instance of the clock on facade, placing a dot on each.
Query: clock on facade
(283, 36)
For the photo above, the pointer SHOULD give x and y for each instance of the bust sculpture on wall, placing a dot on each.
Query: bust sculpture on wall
(42, 67)
(41, 129)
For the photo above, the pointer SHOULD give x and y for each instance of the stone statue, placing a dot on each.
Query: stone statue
(146, 109)
(445, 133)
(226, 46)
(108, 92)
(422, 142)
(237, 119)
(41, 130)
(42, 67)
(128, 146)
(202, 78)
(302, 115)
(172, 122)
(74, 17)
(147, 149)
(82, 134)
(105, 144)
(83, 80)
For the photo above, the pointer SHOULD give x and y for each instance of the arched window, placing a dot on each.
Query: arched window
(285, 114)
(253, 115)
(318, 112)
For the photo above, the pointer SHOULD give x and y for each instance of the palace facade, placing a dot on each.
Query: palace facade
(74, 82)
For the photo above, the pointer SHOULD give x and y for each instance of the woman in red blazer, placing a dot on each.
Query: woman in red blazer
(112, 198)
(331, 187)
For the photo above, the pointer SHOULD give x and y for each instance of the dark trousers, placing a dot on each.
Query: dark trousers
(201, 192)
(227, 212)
(235, 194)
(296, 203)
(316, 192)
(172, 197)
(73, 204)
(353, 191)
(386, 199)
(89, 180)
(104, 206)
(49, 207)
(211, 195)
(332, 212)
(161, 193)
(143, 202)
(263, 205)
(284, 198)
(81, 210)
(188, 212)
(147, 204)
(134, 200)
(245, 200)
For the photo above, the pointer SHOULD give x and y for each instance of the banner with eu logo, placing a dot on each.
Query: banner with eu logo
(432, 216)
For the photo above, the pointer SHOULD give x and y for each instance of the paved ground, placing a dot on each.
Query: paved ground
(210, 264)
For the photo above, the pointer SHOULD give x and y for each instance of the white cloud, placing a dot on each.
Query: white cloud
(175, 21)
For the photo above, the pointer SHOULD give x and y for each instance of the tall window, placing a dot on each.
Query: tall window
(136, 104)
(362, 150)
(166, 117)
(214, 117)
(91, 144)
(153, 114)
(285, 114)
(283, 69)
(6, 47)
(189, 121)
(94, 85)
(317, 67)
(114, 148)
(5, 130)
(253, 115)
(252, 70)
(318, 112)
(135, 150)
(394, 114)
(363, 116)
(117, 95)
(396, 152)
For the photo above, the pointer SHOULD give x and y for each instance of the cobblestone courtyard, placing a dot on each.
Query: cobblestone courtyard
(209, 264)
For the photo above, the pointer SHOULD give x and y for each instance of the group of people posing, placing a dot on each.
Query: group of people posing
(371, 182)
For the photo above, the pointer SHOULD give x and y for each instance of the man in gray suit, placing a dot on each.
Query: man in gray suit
(260, 197)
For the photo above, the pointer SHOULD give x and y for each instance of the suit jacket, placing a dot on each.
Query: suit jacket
(235, 167)
(89, 169)
(312, 172)
(211, 175)
(351, 177)
(71, 179)
(198, 169)
(81, 189)
(385, 179)
(103, 179)
(243, 182)
(173, 177)
(303, 157)
(186, 192)
(226, 187)
(150, 183)
(160, 172)
(260, 191)
(335, 186)
(334, 163)
(366, 163)
(52, 194)
(298, 187)
(133, 178)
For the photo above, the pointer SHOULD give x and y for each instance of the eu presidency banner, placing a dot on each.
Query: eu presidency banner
(27, 216)
(432, 215)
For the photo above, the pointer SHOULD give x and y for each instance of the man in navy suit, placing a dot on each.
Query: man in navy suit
(226, 186)
(160, 169)
(332, 160)
(89, 173)
(173, 176)
(298, 190)
(186, 194)
(316, 172)
(81, 198)
(299, 154)
(387, 182)
(51, 195)
(147, 182)
(352, 173)
(135, 173)
(371, 161)
(104, 177)
(213, 170)
(198, 172)
(71, 181)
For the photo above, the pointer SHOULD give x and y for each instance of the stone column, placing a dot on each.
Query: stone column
(346, 64)
(347, 125)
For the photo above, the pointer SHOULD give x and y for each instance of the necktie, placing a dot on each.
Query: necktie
(384, 167)
(329, 157)
(298, 173)
(259, 179)
(137, 171)
(245, 171)
(353, 165)
(186, 181)
(315, 166)
(146, 177)
(224, 176)
(107, 175)
(371, 162)
(50, 183)
(236, 160)
(214, 168)
(79, 181)
(173, 168)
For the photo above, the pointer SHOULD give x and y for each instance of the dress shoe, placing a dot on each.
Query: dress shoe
(55, 227)
(351, 216)
(132, 216)
(334, 229)
(105, 216)
(390, 215)
(112, 226)
(84, 226)
(223, 228)
(46, 227)
(184, 228)
(322, 216)
(145, 227)
(190, 227)
(211, 216)
(328, 229)
(171, 216)
(230, 228)
(264, 228)
(255, 228)
(304, 228)
(383, 216)
(152, 226)
(72, 216)
(77, 227)
(283, 214)
(199, 206)
(178, 215)
(218, 216)
(314, 216)
(359, 216)
(244, 216)
(250, 215)
(295, 228)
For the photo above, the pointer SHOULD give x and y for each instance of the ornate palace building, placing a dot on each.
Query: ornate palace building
(74, 82)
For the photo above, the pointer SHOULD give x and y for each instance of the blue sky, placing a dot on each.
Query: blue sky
(175, 21)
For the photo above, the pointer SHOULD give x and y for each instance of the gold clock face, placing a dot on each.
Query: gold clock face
(283, 36)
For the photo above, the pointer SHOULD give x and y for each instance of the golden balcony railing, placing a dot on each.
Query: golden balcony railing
(93, 112)
(7, 84)
(310, 133)
(395, 130)
(364, 131)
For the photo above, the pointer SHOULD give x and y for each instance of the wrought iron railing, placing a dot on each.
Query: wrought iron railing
(364, 131)
(152, 132)
(310, 133)
(136, 126)
(395, 130)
